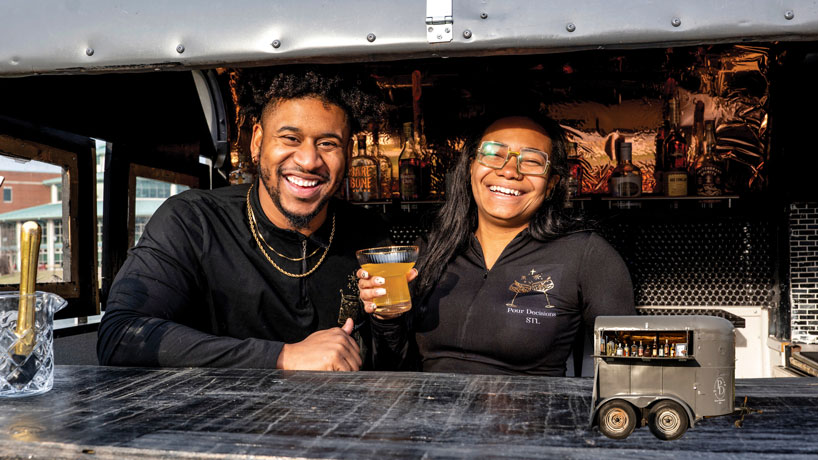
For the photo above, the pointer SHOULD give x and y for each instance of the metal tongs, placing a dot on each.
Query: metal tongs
(25, 331)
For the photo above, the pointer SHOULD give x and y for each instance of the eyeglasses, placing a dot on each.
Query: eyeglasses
(495, 155)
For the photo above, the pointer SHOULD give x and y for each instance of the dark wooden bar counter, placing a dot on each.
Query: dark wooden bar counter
(120, 413)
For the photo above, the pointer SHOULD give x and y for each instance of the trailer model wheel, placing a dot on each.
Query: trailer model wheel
(667, 420)
(616, 419)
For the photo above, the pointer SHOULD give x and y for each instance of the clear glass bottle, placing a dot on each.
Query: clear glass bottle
(626, 178)
(409, 166)
(384, 165)
(695, 152)
(710, 172)
(427, 189)
(363, 174)
(675, 149)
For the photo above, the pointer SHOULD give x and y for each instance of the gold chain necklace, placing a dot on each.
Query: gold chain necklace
(251, 219)
(255, 223)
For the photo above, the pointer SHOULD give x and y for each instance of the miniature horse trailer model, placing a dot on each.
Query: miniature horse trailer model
(663, 371)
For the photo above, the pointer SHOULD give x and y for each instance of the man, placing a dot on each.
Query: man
(254, 275)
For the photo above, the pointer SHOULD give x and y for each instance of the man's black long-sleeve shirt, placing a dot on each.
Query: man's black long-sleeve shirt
(197, 291)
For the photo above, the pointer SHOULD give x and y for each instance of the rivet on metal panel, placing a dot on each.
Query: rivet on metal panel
(676, 22)
(276, 43)
(570, 27)
(789, 14)
(370, 37)
(483, 15)
(467, 33)
(180, 48)
(447, 30)
(89, 51)
(431, 29)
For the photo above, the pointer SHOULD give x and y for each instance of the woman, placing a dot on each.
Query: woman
(505, 280)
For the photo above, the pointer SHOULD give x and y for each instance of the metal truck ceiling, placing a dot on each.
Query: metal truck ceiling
(94, 36)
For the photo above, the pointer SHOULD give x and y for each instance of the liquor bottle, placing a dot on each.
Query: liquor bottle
(641, 350)
(660, 160)
(627, 350)
(709, 173)
(363, 174)
(667, 348)
(626, 178)
(574, 174)
(602, 345)
(633, 348)
(672, 352)
(409, 166)
(242, 172)
(654, 348)
(695, 151)
(619, 350)
(384, 165)
(661, 351)
(660, 155)
(675, 178)
(426, 190)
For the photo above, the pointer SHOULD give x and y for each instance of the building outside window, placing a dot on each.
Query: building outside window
(40, 199)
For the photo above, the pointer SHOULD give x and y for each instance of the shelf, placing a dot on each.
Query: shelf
(670, 198)
(647, 358)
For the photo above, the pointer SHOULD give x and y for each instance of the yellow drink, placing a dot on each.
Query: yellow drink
(397, 298)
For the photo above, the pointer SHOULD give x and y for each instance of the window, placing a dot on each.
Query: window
(58, 244)
(151, 188)
(139, 227)
(33, 180)
(99, 240)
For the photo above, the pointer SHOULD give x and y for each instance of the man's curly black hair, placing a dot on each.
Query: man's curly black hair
(259, 91)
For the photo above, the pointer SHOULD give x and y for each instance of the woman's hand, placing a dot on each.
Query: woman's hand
(371, 287)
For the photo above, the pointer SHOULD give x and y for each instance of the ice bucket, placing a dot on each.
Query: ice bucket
(27, 353)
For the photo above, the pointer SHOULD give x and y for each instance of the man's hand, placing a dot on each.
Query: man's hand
(369, 287)
(328, 350)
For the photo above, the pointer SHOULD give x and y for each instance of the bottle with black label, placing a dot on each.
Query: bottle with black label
(363, 174)
(710, 172)
(409, 166)
(626, 178)
(675, 150)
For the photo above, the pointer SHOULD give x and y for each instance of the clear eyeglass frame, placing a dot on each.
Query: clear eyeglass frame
(495, 155)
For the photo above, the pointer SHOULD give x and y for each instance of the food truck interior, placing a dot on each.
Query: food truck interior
(120, 136)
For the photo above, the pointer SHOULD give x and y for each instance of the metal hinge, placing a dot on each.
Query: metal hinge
(439, 21)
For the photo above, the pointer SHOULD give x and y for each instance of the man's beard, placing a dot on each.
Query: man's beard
(298, 221)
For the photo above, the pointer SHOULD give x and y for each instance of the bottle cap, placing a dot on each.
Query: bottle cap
(625, 151)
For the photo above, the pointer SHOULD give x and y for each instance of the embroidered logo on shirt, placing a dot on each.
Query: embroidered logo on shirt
(532, 282)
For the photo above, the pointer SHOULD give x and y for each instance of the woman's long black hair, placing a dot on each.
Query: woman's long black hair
(456, 220)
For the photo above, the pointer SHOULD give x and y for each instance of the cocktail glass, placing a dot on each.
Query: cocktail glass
(392, 263)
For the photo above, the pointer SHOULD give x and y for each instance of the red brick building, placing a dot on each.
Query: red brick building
(25, 189)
